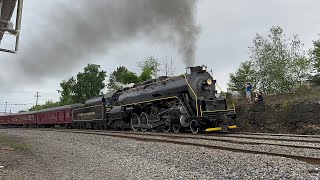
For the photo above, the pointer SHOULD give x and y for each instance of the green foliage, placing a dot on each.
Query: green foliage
(89, 83)
(245, 73)
(122, 76)
(48, 104)
(315, 57)
(86, 85)
(67, 93)
(316, 79)
(279, 63)
(149, 68)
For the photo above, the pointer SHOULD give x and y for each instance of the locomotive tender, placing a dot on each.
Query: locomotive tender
(184, 102)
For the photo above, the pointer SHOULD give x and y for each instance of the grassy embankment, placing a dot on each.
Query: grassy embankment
(292, 112)
(303, 94)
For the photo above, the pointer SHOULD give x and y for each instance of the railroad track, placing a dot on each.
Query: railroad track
(205, 141)
(279, 135)
(222, 138)
(260, 137)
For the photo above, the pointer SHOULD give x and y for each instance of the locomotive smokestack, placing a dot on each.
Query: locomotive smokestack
(78, 30)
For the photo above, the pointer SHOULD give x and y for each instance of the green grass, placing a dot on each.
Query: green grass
(8, 142)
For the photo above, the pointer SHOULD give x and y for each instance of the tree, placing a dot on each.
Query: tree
(67, 93)
(47, 104)
(122, 76)
(89, 83)
(168, 67)
(315, 58)
(86, 85)
(280, 63)
(149, 68)
(316, 55)
(245, 73)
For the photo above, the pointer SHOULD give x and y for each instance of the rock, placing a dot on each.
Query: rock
(315, 170)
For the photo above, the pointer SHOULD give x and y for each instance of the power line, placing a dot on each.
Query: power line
(13, 104)
(6, 104)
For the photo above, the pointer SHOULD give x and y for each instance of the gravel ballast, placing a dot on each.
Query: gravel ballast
(60, 155)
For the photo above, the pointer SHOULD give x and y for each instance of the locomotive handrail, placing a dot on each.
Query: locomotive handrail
(197, 108)
(225, 96)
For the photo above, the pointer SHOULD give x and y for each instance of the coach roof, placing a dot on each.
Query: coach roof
(61, 107)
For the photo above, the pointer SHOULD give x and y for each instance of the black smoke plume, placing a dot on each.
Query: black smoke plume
(88, 27)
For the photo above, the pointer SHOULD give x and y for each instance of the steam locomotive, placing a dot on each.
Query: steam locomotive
(186, 102)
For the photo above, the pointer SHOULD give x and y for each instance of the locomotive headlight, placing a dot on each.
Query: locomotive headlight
(209, 82)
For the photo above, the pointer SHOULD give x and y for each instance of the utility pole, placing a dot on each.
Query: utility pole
(5, 109)
(6, 106)
(37, 98)
(166, 67)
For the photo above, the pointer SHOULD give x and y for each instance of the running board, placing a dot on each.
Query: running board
(220, 128)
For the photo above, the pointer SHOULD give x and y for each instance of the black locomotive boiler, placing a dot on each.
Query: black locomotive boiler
(184, 102)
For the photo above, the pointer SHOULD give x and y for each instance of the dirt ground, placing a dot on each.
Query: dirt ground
(16, 157)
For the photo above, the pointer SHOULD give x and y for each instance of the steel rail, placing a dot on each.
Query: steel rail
(270, 138)
(280, 135)
(135, 136)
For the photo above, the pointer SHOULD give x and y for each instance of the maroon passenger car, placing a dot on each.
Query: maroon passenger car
(44, 118)
(56, 116)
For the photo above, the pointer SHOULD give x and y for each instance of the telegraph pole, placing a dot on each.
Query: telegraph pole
(166, 67)
(6, 106)
(37, 98)
(5, 109)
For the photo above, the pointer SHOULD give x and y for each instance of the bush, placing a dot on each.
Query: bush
(316, 79)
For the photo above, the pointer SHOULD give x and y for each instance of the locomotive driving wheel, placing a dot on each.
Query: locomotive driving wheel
(176, 128)
(154, 129)
(135, 122)
(144, 121)
(167, 126)
(194, 127)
